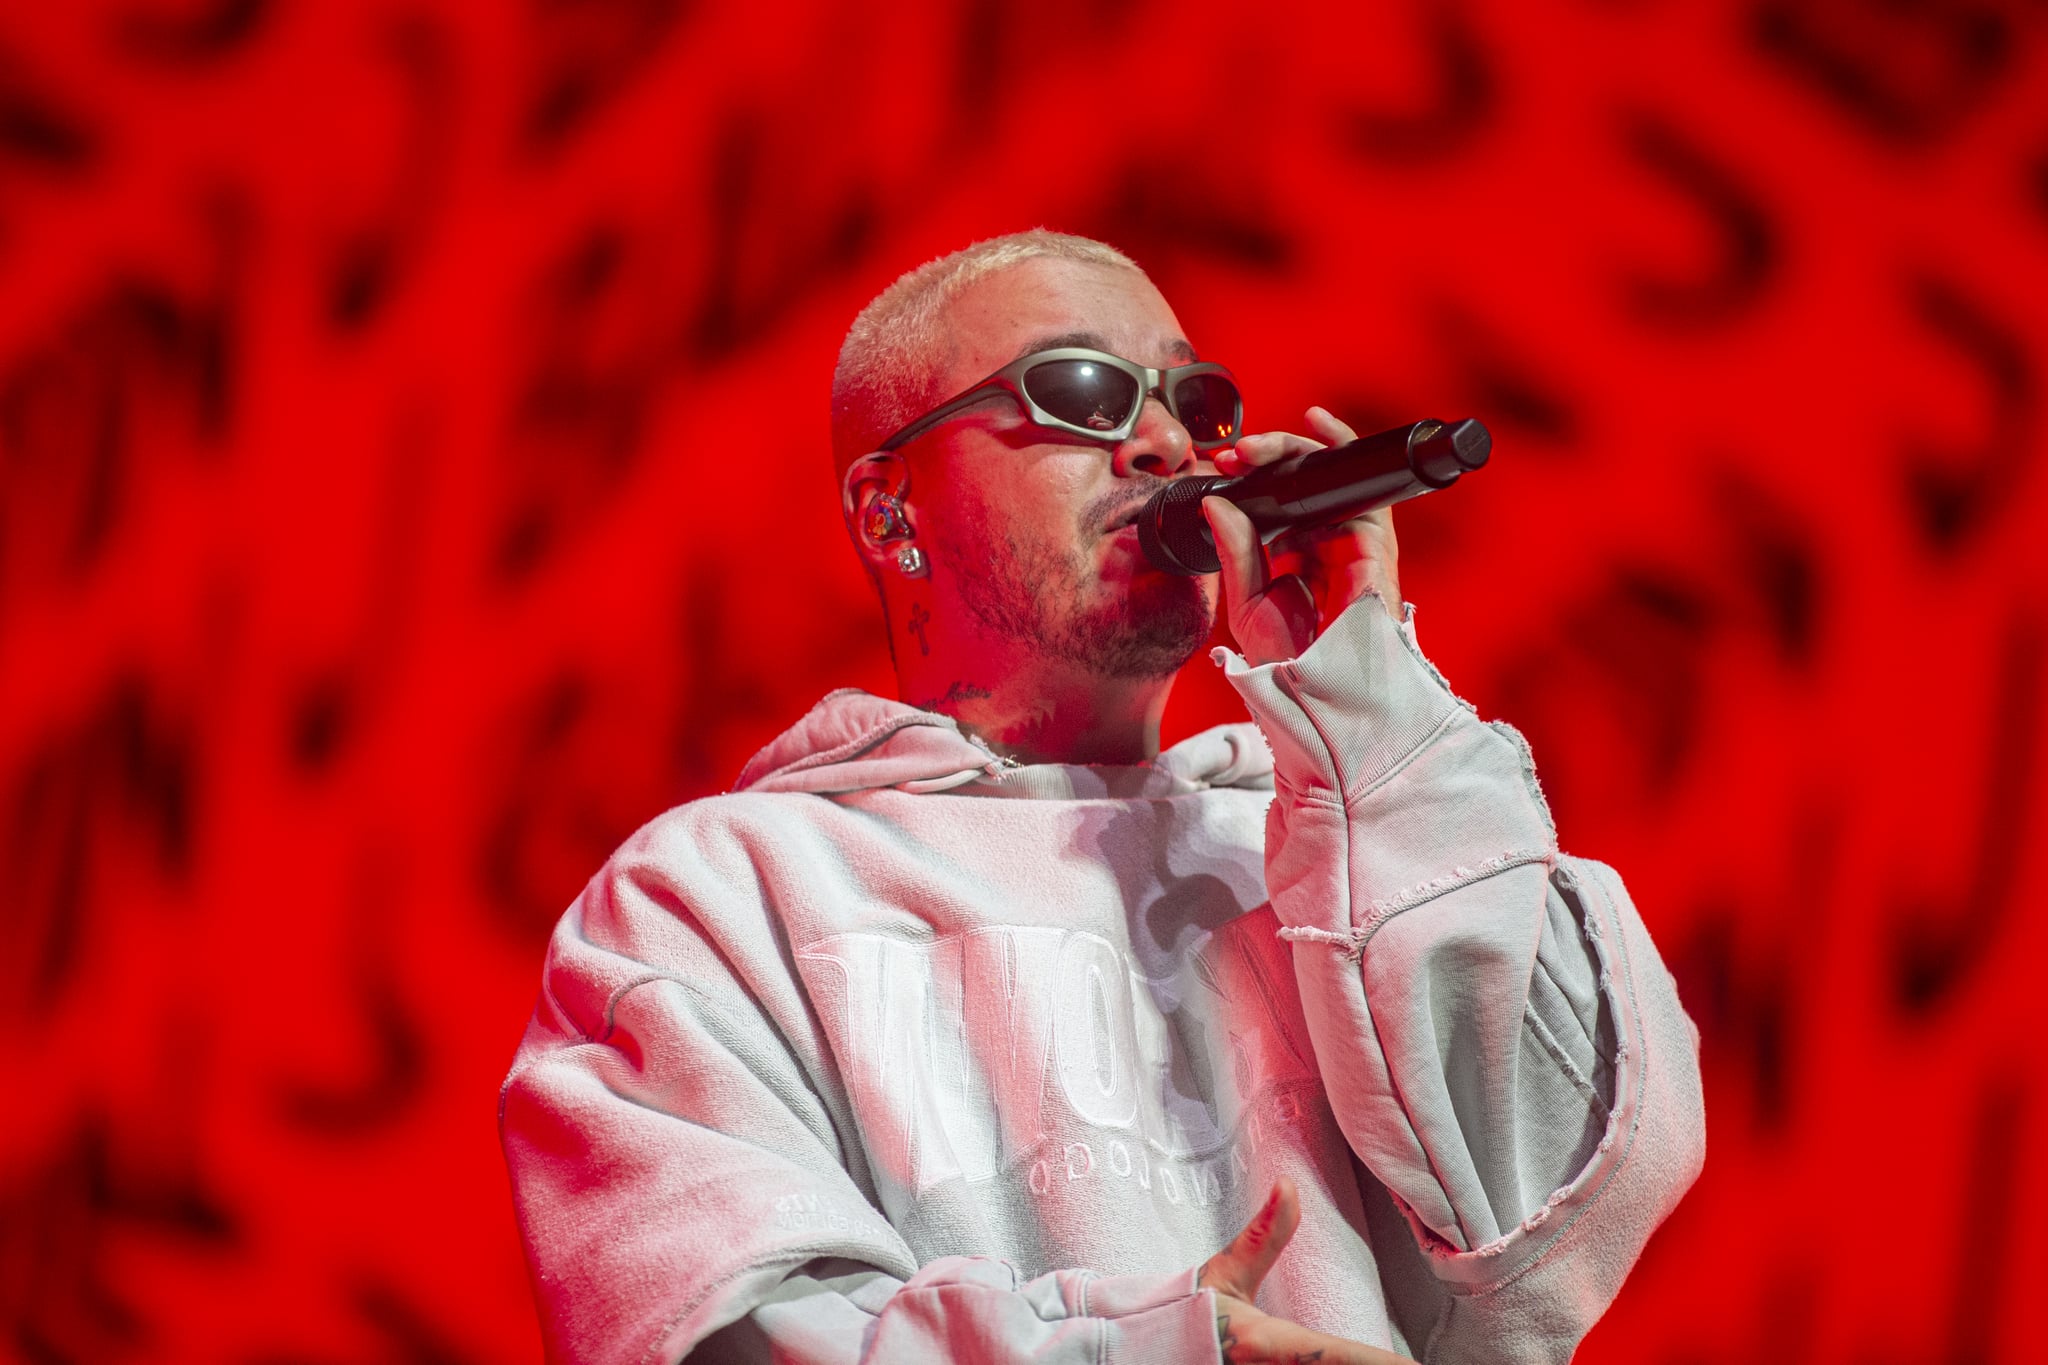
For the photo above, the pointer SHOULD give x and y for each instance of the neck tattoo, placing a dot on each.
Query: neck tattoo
(957, 693)
(918, 617)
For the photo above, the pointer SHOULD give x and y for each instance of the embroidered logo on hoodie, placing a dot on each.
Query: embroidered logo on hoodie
(965, 1053)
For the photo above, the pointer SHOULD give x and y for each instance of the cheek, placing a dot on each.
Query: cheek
(985, 522)
(1061, 492)
(1036, 512)
(1037, 504)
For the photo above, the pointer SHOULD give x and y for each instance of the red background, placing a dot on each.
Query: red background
(413, 476)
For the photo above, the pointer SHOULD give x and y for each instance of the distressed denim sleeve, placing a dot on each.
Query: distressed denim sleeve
(674, 1168)
(1498, 1037)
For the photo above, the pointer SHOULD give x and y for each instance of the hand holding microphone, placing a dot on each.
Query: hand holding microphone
(1196, 525)
(1317, 487)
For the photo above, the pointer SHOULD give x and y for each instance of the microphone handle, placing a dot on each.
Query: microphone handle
(1318, 488)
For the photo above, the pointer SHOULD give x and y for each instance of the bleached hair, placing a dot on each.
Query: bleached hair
(895, 354)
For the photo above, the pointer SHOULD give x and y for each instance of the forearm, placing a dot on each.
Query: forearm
(1482, 1019)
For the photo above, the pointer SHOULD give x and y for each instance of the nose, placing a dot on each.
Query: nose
(1158, 446)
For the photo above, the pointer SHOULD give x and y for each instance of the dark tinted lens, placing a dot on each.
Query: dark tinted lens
(1208, 406)
(1088, 394)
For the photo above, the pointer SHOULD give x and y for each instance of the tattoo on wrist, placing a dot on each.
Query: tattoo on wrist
(1224, 1341)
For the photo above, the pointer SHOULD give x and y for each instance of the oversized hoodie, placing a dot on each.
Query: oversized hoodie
(902, 1052)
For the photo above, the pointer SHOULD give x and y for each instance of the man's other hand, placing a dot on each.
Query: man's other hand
(1277, 607)
(1247, 1335)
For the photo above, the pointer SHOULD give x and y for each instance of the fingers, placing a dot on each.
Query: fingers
(1271, 618)
(1343, 562)
(1247, 1336)
(1268, 447)
(1244, 571)
(1234, 1274)
(1328, 428)
(1264, 448)
(1276, 606)
(1268, 1233)
(1239, 1268)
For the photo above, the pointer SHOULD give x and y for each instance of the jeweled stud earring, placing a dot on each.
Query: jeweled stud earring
(910, 560)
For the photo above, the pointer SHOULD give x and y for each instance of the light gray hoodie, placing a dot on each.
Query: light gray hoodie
(900, 1053)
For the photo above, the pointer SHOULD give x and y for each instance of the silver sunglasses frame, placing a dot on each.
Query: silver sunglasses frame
(1010, 379)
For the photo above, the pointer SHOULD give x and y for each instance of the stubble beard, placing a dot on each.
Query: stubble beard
(1055, 601)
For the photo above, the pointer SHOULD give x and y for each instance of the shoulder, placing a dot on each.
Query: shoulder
(718, 831)
(705, 869)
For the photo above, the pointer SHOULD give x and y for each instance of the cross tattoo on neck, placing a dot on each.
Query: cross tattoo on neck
(918, 617)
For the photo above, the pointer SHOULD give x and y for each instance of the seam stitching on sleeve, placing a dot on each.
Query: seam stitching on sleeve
(1570, 1068)
(1368, 786)
(1289, 681)
(1532, 785)
(1404, 631)
(1614, 1132)
(1374, 919)
(1599, 983)
(1352, 942)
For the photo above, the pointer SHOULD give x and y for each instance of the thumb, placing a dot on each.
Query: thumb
(1239, 1268)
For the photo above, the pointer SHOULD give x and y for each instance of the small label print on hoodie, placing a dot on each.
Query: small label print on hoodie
(953, 1048)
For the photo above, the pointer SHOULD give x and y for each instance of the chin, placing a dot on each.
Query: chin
(1149, 628)
(1115, 616)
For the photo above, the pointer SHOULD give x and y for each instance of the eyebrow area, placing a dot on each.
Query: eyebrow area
(1180, 348)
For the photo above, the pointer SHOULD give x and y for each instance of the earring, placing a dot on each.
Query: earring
(910, 560)
(886, 521)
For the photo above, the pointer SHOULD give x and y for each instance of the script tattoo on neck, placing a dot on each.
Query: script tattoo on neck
(957, 693)
(919, 617)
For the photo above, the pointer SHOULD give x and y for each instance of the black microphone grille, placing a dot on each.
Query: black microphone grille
(1172, 531)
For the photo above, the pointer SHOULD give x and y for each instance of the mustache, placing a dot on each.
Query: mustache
(1118, 505)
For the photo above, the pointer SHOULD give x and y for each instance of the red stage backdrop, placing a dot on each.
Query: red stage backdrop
(413, 477)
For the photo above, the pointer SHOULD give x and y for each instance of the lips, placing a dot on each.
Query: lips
(1127, 517)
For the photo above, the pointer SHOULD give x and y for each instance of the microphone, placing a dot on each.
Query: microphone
(1315, 489)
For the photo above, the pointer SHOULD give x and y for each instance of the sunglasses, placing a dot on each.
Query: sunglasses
(1099, 396)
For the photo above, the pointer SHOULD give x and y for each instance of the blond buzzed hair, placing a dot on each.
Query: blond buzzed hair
(895, 355)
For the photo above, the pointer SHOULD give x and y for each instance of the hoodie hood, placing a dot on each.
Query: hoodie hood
(854, 741)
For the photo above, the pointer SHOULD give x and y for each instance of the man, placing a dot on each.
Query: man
(971, 1026)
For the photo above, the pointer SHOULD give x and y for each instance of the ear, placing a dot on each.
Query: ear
(874, 499)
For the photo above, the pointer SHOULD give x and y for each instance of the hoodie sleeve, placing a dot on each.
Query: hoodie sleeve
(969, 1309)
(674, 1170)
(1499, 1040)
